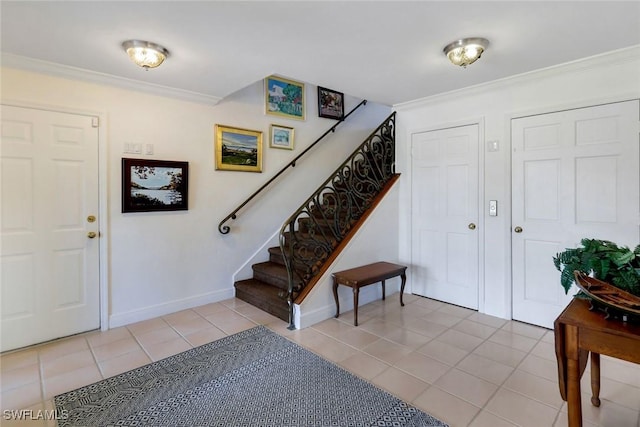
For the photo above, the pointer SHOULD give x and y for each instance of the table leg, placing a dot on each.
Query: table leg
(335, 296)
(356, 291)
(595, 379)
(574, 403)
(403, 276)
(383, 290)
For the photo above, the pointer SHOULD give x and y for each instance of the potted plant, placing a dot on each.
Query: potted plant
(606, 261)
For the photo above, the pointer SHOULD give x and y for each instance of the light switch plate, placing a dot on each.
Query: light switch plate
(493, 208)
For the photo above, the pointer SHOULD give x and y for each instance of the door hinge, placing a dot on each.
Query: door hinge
(95, 122)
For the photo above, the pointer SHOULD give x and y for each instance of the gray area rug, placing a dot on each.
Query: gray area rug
(253, 378)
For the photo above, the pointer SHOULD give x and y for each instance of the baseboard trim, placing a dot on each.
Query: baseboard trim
(146, 313)
(311, 317)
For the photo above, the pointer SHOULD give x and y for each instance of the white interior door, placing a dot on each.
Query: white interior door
(444, 215)
(50, 265)
(575, 175)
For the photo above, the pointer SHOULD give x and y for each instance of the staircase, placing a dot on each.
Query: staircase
(314, 235)
(268, 288)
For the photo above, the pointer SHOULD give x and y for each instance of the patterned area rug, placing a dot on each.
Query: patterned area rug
(253, 378)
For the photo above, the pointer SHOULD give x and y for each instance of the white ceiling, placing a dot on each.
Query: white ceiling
(384, 51)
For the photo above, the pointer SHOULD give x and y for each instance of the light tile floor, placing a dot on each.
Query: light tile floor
(466, 368)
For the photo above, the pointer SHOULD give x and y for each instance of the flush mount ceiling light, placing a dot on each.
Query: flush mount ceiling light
(465, 51)
(145, 54)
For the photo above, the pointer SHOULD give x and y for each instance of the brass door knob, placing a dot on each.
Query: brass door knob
(91, 234)
(472, 226)
(518, 229)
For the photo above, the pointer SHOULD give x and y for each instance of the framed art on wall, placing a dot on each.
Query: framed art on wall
(238, 149)
(281, 137)
(154, 185)
(284, 98)
(330, 103)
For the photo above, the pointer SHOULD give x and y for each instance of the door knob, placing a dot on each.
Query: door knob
(518, 229)
(472, 226)
(91, 218)
(91, 234)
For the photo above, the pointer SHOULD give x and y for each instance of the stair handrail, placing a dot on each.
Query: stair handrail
(385, 133)
(233, 215)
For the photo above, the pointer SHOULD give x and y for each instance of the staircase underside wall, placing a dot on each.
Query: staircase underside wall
(377, 240)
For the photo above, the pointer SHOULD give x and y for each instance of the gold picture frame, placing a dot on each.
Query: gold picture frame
(281, 137)
(238, 149)
(284, 98)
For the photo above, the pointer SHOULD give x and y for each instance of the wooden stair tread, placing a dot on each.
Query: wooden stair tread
(263, 296)
(272, 273)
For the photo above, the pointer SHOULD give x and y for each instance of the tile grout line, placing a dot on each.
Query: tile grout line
(140, 344)
(528, 353)
(498, 386)
(95, 359)
(41, 373)
(180, 333)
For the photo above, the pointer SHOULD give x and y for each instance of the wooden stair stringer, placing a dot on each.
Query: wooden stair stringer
(345, 241)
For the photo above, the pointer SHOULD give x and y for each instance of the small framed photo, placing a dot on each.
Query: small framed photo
(154, 185)
(330, 103)
(284, 98)
(238, 149)
(281, 137)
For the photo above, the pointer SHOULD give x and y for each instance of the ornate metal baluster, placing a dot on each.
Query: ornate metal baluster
(310, 235)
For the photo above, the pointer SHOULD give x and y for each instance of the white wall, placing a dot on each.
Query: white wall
(606, 78)
(375, 241)
(162, 262)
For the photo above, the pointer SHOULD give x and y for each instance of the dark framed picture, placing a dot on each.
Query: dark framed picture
(154, 185)
(284, 98)
(238, 149)
(330, 103)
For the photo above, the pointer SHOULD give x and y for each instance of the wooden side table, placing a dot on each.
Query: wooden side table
(578, 332)
(359, 277)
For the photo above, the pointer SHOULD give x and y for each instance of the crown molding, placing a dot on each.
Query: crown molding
(65, 71)
(615, 57)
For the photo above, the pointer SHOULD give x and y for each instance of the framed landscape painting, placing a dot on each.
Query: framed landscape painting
(154, 185)
(238, 149)
(284, 98)
(281, 137)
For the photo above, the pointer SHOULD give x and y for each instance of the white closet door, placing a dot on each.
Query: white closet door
(575, 175)
(444, 216)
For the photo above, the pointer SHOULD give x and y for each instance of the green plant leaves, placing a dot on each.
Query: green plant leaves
(607, 261)
(625, 256)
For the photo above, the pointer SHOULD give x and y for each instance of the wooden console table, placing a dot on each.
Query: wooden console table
(578, 332)
(360, 277)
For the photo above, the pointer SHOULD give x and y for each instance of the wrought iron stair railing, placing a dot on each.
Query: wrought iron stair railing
(310, 235)
(224, 229)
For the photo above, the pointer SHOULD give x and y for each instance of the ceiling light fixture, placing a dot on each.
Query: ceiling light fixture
(466, 51)
(145, 54)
